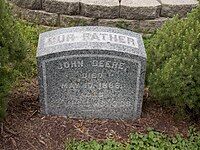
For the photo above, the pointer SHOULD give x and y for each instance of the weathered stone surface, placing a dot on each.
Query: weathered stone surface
(41, 17)
(100, 8)
(149, 26)
(36, 16)
(68, 7)
(132, 25)
(140, 9)
(70, 21)
(30, 4)
(180, 7)
(92, 72)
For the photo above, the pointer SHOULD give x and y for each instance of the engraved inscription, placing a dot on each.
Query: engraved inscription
(70, 64)
(92, 75)
(94, 63)
(108, 64)
(103, 37)
(93, 82)
(91, 85)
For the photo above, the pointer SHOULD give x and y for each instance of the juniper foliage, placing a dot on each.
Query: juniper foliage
(13, 50)
(173, 71)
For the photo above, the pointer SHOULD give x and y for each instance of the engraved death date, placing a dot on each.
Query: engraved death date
(99, 79)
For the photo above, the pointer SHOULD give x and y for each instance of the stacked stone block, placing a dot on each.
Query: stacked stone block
(136, 15)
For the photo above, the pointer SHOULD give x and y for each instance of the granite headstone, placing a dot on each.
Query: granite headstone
(91, 72)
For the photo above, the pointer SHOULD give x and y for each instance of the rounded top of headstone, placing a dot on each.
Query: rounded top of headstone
(90, 38)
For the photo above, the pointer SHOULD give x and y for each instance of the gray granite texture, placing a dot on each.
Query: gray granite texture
(55, 20)
(100, 8)
(132, 25)
(137, 9)
(68, 7)
(144, 16)
(35, 16)
(180, 7)
(30, 4)
(40, 17)
(91, 72)
(150, 26)
(70, 21)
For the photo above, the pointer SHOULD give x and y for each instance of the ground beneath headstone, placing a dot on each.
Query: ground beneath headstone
(25, 129)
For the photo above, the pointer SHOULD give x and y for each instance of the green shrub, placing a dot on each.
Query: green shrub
(13, 51)
(173, 71)
(31, 33)
(150, 141)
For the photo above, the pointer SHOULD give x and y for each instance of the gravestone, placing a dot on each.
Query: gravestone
(91, 72)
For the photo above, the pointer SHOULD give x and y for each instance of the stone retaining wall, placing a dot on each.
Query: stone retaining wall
(137, 15)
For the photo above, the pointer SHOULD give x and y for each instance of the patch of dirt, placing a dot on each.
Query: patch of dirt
(26, 129)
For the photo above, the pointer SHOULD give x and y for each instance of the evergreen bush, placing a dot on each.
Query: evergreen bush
(12, 53)
(173, 71)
